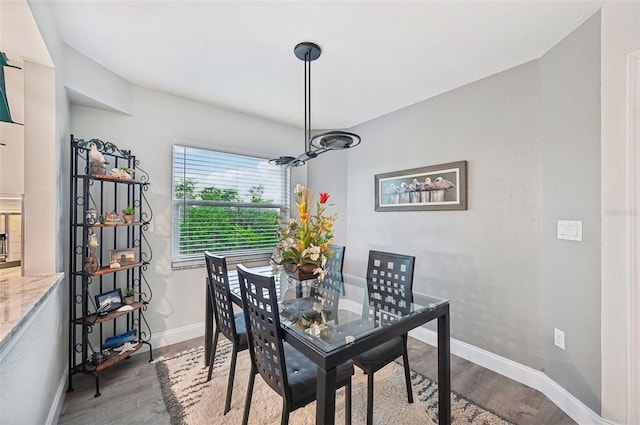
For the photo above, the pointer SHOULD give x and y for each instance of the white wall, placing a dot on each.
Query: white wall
(157, 122)
(31, 388)
(40, 244)
(113, 92)
(620, 36)
(36, 393)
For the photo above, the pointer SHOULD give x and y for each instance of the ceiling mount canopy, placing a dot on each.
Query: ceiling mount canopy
(323, 142)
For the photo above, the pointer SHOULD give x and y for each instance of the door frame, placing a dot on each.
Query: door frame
(633, 237)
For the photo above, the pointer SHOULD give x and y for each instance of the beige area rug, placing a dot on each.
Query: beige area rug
(191, 400)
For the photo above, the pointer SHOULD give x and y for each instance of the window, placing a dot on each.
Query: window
(225, 203)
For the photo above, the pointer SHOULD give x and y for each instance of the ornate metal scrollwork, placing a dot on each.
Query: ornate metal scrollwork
(104, 147)
(145, 296)
(146, 217)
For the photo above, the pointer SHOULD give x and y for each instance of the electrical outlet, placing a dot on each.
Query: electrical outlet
(558, 338)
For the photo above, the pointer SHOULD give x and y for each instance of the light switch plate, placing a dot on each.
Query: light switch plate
(570, 230)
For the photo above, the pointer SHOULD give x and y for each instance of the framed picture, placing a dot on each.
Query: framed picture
(108, 301)
(432, 188)
(122, 257)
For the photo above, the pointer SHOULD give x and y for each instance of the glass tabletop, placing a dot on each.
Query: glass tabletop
(342, 308)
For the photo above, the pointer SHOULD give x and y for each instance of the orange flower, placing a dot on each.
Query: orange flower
(304, 217)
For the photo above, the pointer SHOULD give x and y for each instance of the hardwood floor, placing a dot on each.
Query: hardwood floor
(131, 391)
(511, 400)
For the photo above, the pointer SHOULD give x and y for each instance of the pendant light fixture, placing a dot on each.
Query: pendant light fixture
(323, 142)
(5, 115)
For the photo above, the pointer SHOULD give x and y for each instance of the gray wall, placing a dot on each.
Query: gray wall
(569, 173)
(531, 138)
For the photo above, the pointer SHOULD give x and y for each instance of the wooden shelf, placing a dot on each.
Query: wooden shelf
(110, 225)
(106, 270)
(104, 177)
(96, 318)
(114, 359)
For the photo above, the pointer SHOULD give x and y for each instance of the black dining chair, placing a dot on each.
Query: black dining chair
(232, 326)
(286, 370)
(335, 263)
(389, 284)
(334, 267)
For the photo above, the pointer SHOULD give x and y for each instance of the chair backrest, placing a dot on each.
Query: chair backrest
(390, 284)
(262, 319)
(334, 265)
(336, 261)
(220, 294)
(331, 296)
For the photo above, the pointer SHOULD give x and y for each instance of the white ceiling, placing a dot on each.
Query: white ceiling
(377, 57)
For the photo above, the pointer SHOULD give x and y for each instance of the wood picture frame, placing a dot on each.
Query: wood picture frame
(124, 257)
(432, 188)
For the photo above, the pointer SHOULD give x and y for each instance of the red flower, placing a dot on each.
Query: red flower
(323, 197)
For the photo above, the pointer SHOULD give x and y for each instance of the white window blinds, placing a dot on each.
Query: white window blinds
(225, 203)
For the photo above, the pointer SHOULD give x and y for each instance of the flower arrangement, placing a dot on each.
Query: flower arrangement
(305, 241)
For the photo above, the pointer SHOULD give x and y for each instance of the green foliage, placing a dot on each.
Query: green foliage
(225, 228)
(129, 210)
(129, 292)
(186, 190)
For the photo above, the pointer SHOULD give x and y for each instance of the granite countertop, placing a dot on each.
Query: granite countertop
(20, 297)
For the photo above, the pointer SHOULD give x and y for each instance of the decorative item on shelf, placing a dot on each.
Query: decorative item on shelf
(122, 257)
(97, 358)
(111, 218)
(303, 249)
(91, 217)
(96, 162)
(129, 214)
(91, 263)
(108, 302)
(129, 295)
(123, 172)
(118, 340)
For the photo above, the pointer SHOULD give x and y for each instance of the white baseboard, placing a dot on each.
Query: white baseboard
(58, 400)
(174, 336)
(535, 379)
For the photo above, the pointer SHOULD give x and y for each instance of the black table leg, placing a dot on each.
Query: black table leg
(444, 370)
(208, 325)
(326, 397)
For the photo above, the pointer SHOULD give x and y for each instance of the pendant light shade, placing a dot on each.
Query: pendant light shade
(323, 142)
(5, 114)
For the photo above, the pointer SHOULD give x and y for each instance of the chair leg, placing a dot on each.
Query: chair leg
(407, 372)
(347, 403)
(285, 414)
(370, 398)
(232, 372)
(247, 402)
(213, 352)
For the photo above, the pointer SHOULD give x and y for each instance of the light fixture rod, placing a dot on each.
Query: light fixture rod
(320, 143)
(307, 101)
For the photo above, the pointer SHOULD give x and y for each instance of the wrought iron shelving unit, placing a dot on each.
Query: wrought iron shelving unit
(105, 194)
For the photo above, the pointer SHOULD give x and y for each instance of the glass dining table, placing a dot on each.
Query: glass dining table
(336, 320)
